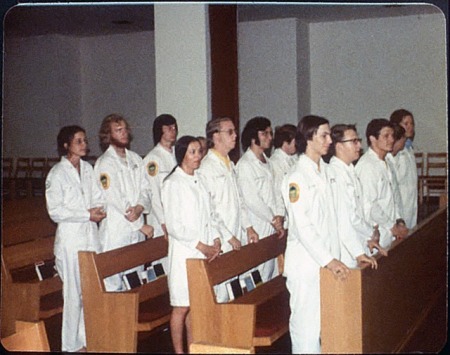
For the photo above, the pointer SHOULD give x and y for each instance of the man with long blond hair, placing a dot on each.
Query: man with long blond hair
(120, 175)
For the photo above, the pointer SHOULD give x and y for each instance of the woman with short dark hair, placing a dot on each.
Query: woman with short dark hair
(74, 202)
(192, 229)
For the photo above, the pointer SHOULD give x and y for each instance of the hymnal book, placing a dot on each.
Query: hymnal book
(132, 280)
(234, 289)
(45, 269)
(249, 283)
(148, 275)
(159, 270)
(256, 277)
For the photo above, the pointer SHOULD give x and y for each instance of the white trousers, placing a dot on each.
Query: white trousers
(303, 284)
(73, 335)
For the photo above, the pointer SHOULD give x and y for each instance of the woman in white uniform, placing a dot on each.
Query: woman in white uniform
(313, 241)
(192, 231)
(406, 167)
(74, 202)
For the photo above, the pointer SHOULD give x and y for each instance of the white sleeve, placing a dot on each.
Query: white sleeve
(175, 212)
(55, 191)
(246, 180)
(306, 232)
(112, 190)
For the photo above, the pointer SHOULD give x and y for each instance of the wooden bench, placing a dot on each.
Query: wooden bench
(29, 336)
(399, 308)
(113, 319)
(25, 220)
(28, 298)
(257, 318)
(27, 237)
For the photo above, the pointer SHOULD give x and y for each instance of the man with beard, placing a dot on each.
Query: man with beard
(119, 172)
(219, 176)
(257, 183)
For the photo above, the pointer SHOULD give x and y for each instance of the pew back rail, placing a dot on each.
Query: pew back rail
(386, 310)
(113, 319)
(257, 318)
(31, 299)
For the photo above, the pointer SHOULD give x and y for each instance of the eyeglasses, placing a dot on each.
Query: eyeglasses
(355, 141)
(229, 131)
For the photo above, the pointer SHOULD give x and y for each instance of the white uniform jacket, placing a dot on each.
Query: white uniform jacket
(189, 220)
(228, 206)
(69, 196)
(308, 196)
(375, 177)
(158, 163)
(390, 159)
(353, 230)
(123, 185)
(407, 179)
(281, 163)
(256, 181)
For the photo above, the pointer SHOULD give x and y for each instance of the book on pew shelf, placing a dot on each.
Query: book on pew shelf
(45, 269)
(159, 270)
(257, 280)
(249, 283)
(234, 289)
(148, 275)
(132, 280)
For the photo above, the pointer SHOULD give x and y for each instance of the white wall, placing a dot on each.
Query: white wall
(357, 70)
(366, 69)
(267, 62)
(183, 73)
(118, 76)
(41, 93)
(52, 81)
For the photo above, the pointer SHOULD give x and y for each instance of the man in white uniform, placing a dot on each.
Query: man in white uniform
(406, 167)
(158, 163)
(357, 237)
(284, 156)
(399, 144)
(121, 176)
(219, 175)
(256, 181)
(376, 181)
(313, 241)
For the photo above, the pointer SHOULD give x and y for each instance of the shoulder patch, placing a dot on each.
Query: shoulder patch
(152, 168)
(105, 181)
(294, 192)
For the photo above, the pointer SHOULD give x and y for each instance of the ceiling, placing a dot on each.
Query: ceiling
(103, 19)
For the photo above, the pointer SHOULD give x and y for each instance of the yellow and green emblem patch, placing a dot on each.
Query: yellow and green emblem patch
(152, 168)
(105, 181)
(294, 192)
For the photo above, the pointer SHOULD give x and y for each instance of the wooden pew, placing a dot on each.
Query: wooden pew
(258, 318)
(29, 336)
(25, 220)
(29, 299)
(113, 319)
(27, 237)
(394, 308)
